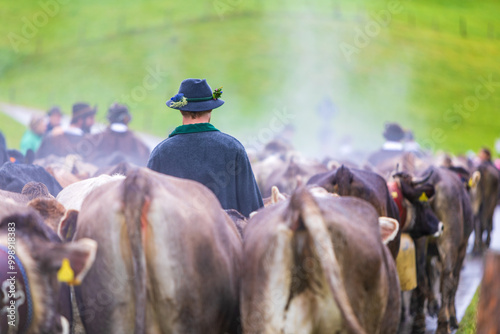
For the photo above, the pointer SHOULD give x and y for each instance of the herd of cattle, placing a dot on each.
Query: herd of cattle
(142, 252)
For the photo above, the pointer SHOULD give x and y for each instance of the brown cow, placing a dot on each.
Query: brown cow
(309, 269)
(368, 186)
(484, 188)
(37, 196)
(168, 260)
(31, 255)
(286, 176)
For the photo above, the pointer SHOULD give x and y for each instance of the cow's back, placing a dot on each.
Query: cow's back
(271, 272)
(188, 249)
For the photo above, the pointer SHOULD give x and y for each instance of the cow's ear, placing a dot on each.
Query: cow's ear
(67, 226)
(276, 196)
(424, 192)
(50, 209)
(72, 260)
(389, 228)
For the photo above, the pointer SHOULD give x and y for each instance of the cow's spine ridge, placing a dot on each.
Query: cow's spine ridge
(136, 193)
(323, 246)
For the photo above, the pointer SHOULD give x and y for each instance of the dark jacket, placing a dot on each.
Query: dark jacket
(61, 145)
(111, 147)
(202, 153)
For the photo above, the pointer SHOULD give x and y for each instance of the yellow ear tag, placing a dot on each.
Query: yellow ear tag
(471, 183)
(423, 198)
(65, 273)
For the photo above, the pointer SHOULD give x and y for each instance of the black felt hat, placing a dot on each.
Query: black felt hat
(81, 110)
(393, 132)
(195, 95)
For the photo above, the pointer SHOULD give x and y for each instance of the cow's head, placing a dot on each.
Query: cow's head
(339, 181)
(417, 193)
(47, 264)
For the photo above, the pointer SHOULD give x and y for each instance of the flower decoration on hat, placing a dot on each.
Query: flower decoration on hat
(179, 100)
(217, 93)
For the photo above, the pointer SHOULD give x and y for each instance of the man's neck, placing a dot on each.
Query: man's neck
(187, 121)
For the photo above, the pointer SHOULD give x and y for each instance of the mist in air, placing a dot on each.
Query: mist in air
(334, 103)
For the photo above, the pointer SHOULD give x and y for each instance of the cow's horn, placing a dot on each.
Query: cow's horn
(422, 179)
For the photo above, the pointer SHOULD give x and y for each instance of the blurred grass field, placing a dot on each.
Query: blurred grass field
(12, 130)
(268, 56)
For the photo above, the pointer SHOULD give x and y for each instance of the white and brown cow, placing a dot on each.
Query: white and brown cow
(168, 258)
(31, 258)
(316, 263)
(73, 195)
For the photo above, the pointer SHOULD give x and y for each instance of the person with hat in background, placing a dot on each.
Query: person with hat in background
(32, 138)
(55, 116)
(117, 143)
(196, 150)
(393, 145)
(65, 143)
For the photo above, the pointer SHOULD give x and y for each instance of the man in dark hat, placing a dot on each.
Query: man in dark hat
(196, 150)
(393, 146)
(55, 116)
(117, 143)
(69, 141)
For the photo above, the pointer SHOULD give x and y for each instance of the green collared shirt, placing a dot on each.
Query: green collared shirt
(192, 128)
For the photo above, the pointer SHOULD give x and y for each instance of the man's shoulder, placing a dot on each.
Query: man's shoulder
(215, 137)
(230, 140)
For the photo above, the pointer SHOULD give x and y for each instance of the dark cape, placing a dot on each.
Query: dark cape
(61, 145)
(202, 153)
(112, 148)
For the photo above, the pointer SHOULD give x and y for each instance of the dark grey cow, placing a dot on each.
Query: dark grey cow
(451, 204)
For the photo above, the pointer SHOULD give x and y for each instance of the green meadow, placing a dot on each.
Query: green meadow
(431, 66)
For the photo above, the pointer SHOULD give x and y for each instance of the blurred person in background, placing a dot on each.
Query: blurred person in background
(410, 145)
(32, 138)
(117, 143)
(68, 142)
(484, 156)
(392, 147)
(55, 115)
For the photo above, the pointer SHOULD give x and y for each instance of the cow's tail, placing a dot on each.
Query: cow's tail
(308, 218)
(136, 200)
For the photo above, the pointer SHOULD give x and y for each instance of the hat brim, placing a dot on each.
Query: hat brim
(198, 106)
(84, 114)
